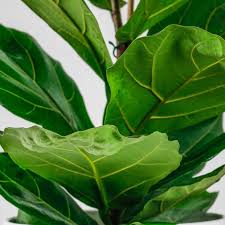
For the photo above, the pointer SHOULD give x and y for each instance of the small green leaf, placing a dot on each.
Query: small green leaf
(194, 137)
(147, 14)
(210, 17)
(190, 209)
(98, 166)
(40, 198)
(180, 204)
(73, 20)
(105, 4)
(36, 88)
(168, 81)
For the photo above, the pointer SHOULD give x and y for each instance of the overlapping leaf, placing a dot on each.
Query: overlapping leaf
(183, 176)
(73, 20)
(189, 210)
(39, 197)
(174, 205)
(147, 14)
(36, 88)
(168, 81)
(194, 137)
(210, 17)
(98, 166)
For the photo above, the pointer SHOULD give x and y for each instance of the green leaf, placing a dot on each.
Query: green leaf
(36, 88)
(210, 17)
(73, 20)
(98, 166)
(147, 14)
(105, 4)
(194, 137)
(168, 81)
(24, 218)
(188, 210)
(183, 176)
(183, 204)
(38, 197)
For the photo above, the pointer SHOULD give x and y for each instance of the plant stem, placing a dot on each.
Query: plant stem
(116, 15)
(117, 21)
(130, 8)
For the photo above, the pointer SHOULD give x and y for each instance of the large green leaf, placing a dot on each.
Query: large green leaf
(98, 166)
(39, 197)
(105, 4)
(36, 88)
(168, 81)
(188, 210)
(210, 17)
(73, 20)
(147, 14)
(182, 204)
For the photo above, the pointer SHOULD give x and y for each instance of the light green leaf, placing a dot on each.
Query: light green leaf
(39, 197)
(185, 203)
(168, 81)
(210, 17)
(36, 88)
(147, 14)
(105, 4)
(73, 20)
(99, 166)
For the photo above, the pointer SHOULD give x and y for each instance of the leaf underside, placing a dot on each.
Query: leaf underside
(98, 166)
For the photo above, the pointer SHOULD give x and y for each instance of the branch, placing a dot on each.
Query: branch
(130, 8)
(116, 15)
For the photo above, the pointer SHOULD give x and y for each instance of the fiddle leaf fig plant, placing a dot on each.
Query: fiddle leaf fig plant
(162, 122)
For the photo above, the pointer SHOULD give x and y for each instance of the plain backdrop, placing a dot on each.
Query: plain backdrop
(15, 14)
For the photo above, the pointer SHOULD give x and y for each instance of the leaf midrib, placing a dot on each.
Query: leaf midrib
(39, 197)
(151, 113)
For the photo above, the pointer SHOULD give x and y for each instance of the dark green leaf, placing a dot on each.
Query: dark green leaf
(147, 14)
(98, 166)
(73, 20)
(211, 16)
(105, 4)
(168, 81)
(36, 88)
(192, 138)
(178, 196)
(169, 208)
(41, 198)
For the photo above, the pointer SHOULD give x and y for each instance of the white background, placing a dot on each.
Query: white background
(14, 13)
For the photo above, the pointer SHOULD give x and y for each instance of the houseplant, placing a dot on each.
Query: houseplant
(170, 82)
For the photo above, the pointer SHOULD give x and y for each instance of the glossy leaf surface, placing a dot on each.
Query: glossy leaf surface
(210, 17)
(168, 81)
(39, 197)
(147, 14)
(73, 20)
(99, 166)
(35, 87)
